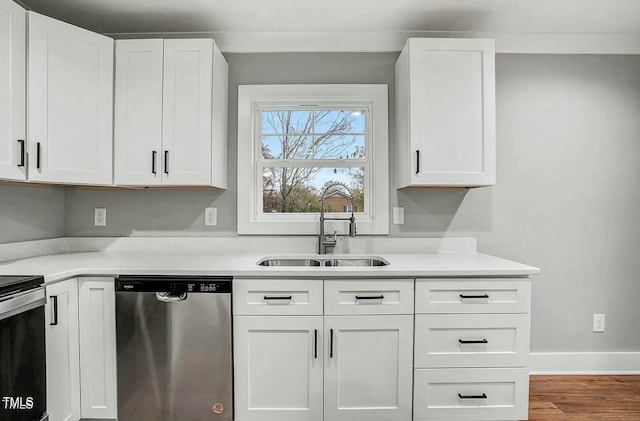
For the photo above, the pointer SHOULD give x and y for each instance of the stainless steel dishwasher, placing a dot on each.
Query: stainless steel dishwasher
(174, 348)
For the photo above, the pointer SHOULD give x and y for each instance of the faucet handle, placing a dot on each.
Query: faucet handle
(331, 239)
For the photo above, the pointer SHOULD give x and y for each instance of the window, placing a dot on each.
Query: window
(296, 140)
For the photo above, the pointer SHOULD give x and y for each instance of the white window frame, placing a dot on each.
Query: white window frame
(371, 98)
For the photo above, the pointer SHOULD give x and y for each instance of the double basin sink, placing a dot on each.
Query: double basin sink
(322, 261)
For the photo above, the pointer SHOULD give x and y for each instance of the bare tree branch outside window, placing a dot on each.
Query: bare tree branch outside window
(293, 136)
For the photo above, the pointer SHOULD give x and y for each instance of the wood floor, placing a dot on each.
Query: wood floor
(584, 398)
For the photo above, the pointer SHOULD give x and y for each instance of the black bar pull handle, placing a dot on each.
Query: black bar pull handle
(473, 341)
(370, 297)
(330, 343)
(38, 155)
(483, 396)
(166, 162)
(474, 296)
(418, 161)
(278, 297)
(22, 154)
(54, 309)
(153, 162)
(315, 344)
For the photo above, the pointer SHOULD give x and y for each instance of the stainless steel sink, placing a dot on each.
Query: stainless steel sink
(289, 262)
(339, 261)
(355, 262)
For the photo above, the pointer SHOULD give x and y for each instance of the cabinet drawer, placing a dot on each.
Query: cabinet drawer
(277, 297)
(473, 296)
(342, 297)
(471, 394)
(471, 340)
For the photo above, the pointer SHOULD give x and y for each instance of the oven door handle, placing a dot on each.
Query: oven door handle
(22, 302)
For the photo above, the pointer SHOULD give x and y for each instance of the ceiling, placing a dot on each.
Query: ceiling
(497, 16)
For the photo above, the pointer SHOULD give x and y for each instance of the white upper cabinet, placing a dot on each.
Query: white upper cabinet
(70, 77)
(186, 134)
(13, 124)
(138, 112)
(171, 113)
(445, 99)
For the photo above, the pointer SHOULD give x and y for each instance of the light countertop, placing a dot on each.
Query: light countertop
(241, 265)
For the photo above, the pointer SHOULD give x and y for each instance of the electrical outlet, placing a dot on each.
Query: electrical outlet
(598, 323)
(398, 216)
(211, 216)
(100, 217)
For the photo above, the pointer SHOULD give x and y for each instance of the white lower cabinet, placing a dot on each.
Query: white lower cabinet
(278, 368)
(368, 368)
(471, 349)
(292, 363)
(63, 351)
(471, 394)
(81, 353)
(97, 309)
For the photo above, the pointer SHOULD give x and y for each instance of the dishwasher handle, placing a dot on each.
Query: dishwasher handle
(167, 297)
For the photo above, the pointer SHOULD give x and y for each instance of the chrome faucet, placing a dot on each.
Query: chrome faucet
(326, 241)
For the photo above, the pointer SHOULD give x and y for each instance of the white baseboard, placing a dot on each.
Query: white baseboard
(585, 363)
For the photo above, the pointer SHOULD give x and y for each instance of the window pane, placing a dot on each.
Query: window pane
(287, 147)
(334, 122)
(317, 147)
(286, 122)
(288, 190)
(339, 147)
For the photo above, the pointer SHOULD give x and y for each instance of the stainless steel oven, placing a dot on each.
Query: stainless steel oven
(22, 349)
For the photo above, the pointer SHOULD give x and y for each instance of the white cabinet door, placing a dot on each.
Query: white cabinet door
(187, 111)
(278, 368)
(138, 112)
(97, 326)
(63, 361)
(13, 124)
(70, 76)
(446, 112)
(368, 368)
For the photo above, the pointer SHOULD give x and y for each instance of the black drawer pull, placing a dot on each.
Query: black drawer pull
(288, 297)
(473, 341)
(474, 296)
(369, 297)
(21, 142)
(418, 161)
(153, 162)
(483, 396)
(38, 152)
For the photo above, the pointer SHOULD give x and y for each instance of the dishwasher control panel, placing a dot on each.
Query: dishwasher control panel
(173, 284)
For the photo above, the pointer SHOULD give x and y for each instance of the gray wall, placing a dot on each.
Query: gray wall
(567, 196)
(31, 213)
(566, 200)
